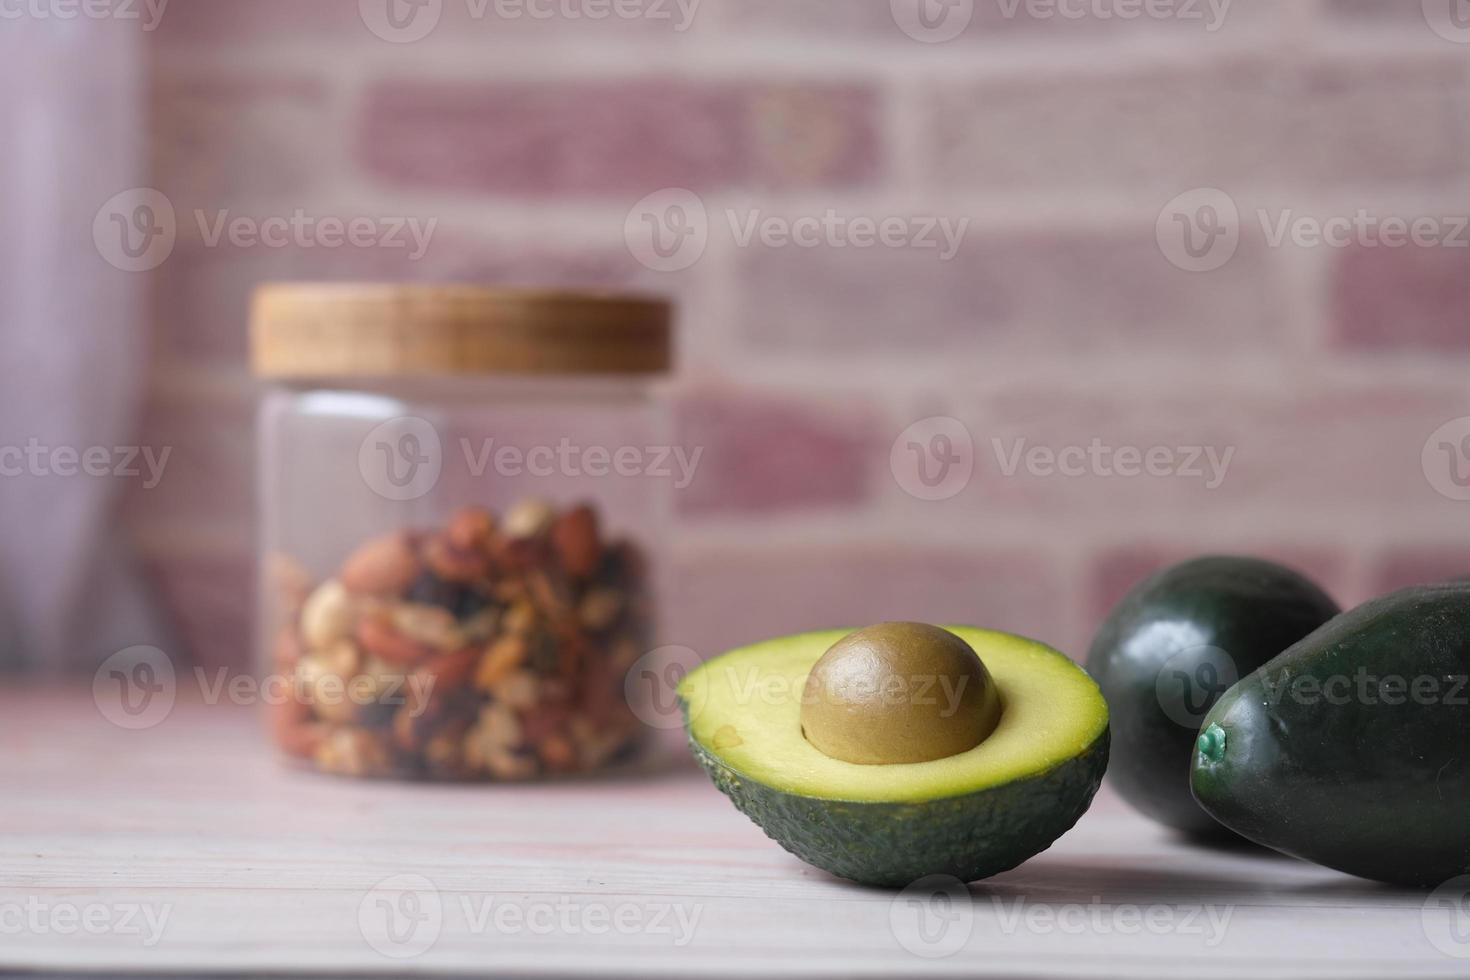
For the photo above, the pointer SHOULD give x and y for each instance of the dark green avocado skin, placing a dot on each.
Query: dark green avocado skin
(1179, 619)
(893, 845)
(1356, 774)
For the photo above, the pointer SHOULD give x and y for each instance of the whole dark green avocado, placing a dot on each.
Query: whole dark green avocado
(1352, 748)
(1167, 652)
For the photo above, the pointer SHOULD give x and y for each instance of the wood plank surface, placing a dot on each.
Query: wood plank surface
(189, 847)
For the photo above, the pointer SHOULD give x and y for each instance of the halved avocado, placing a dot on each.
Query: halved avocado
(971, 815)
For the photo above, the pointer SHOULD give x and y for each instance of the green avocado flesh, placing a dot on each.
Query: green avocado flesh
(1173, 646)
(970, 815)
(1352, 748)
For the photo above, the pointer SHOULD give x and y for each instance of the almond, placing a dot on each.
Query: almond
(326, 617)
(378, 637)
(384, 566)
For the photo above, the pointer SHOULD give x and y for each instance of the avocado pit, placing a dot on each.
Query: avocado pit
(898, 693)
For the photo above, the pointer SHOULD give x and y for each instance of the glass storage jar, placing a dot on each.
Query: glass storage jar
(461, 491)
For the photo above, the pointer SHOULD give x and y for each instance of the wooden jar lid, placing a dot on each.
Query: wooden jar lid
(301, 330)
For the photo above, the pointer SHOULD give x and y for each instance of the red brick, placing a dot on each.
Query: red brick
(1025, 291)
(723, 598)
(1405, 298)
(210, 598)
(618, 136)
(202, 294)
(766, 454)
(1401, 567)
(1115, 571)
(1247, 120)
(218, 139)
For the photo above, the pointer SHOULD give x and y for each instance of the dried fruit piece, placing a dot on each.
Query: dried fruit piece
(454, 564)
(471, 529)
(516, 690)
(575, 539)
(503, 656)
(600, 609)
(558, 753)
(383, 566)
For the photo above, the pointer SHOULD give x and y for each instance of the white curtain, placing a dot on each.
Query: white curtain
(73, 338)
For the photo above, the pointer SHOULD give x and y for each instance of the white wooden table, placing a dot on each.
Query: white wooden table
(187, 847)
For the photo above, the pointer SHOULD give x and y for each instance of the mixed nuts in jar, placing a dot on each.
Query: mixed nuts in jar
(494, 647)
(433, 605)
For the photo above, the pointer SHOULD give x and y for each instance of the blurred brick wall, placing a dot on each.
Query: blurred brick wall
(1060, 319)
